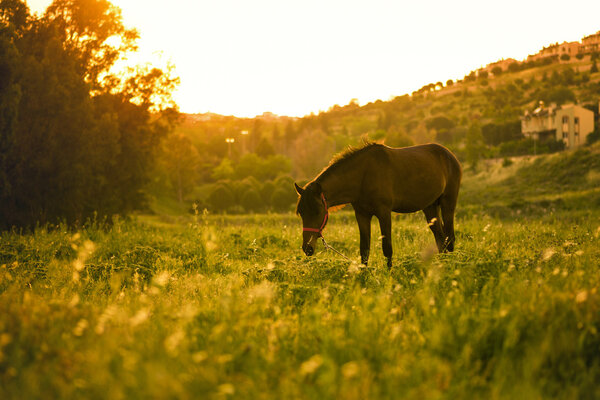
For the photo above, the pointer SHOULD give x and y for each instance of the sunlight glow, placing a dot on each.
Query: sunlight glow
(293, 58)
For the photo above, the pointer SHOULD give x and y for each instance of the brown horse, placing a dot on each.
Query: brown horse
(376, 180)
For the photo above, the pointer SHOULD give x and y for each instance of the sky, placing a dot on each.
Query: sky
(246, 57)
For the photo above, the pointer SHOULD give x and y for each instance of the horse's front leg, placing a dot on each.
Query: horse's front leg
(385, 224)
(364, 227)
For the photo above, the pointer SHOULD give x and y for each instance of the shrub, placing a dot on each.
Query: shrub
(266, 191)
(252, 201)
(283, 199)
(221, 198)
(593, 137)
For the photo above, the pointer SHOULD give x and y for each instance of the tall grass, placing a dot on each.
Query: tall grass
(228, 307)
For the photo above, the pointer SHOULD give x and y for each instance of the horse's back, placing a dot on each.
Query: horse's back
(419, 175)
(431, 158)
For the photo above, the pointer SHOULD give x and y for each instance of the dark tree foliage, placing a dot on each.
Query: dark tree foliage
(74, 140)
(494, 134)
(440, 123)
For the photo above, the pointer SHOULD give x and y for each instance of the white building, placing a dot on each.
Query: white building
(570, 123)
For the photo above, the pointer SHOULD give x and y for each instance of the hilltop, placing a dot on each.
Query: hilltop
(477, 117)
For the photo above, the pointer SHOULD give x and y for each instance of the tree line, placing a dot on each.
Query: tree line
(77, 140)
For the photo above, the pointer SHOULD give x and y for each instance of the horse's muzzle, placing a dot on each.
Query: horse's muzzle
(308, 250)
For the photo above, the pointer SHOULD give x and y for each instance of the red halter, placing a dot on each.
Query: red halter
(325, 218)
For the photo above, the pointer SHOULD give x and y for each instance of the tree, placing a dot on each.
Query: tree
(264, 148)
(440, 123)
(474, 145)
(221, 198)
(497, 70)
(75, 139)
(224, 170)
(514, 66)
(251, 200)
(179, 159)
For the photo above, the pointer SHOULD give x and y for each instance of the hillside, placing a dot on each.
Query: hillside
(534, 185)
(477, 118)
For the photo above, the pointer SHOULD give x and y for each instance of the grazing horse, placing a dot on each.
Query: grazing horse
(376, 180)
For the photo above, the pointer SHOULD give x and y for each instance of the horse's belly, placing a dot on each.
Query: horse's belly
(410, 204)
(406, 209)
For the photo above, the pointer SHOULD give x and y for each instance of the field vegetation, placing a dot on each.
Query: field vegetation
(218, 306)
(149, 254)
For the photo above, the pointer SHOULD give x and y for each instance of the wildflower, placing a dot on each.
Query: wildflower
(199, 356)
(227, 389)
(162, 278)
(224, 358)
(5, 339)
(74, 301)
(548, 253)
(350, 369)
(81, 326)
(581, 296)
(141, 316)
(173, 341)
(311, 365)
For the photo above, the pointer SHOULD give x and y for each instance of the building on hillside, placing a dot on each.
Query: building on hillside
(591, 43)
(570, 123)
(503, 64)
(556, 50)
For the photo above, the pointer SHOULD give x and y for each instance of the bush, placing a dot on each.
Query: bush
(494, 134)
(565, 57)
(526, 146)
(252, 201)
(282, 199)
(221, 198)
(593, 137)
(266, 191)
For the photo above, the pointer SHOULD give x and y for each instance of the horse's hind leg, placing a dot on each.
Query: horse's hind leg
(432, 213)
(448, 206)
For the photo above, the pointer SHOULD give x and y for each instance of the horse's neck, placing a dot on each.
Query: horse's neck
(341, 186)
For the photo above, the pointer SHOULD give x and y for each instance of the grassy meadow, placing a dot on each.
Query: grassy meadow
(209, 306)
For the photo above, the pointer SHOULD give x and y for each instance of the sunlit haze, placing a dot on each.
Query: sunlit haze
(292, 58)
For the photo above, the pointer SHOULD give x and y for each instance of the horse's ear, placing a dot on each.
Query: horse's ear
(299, 190)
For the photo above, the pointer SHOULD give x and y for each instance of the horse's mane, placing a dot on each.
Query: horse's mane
(349, 153)
(338, 160)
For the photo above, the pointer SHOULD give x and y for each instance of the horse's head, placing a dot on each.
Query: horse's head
(312, 208)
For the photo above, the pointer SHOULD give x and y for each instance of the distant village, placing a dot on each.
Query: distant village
(569, 123)
(588, 45)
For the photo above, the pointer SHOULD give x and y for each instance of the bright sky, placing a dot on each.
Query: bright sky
(242, 57)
